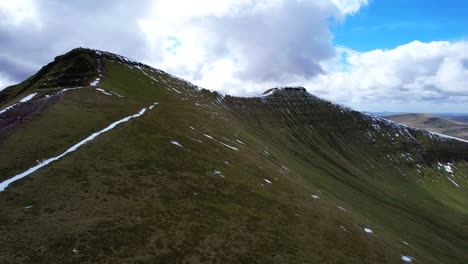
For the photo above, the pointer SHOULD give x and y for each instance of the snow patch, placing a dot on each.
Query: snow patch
(448, 168)
(341, 208)
(368, 230)
(406, 258)
(43, 163)
(152, 106)
(227, 146)
(96, 82)
(454, 183)
(103, 91)
(118, 95)
(7, 108)
(176, 143)
(70, 89)
(267, 181)
(208, 136)
(315, 196)
(217, 172)
(27, 98)
(240, 142)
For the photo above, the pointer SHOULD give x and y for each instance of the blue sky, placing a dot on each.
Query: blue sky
(386, 24)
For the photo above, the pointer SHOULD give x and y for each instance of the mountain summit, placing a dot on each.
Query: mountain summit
(107, 160)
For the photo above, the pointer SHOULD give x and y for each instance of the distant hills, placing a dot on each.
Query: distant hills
(456, 126)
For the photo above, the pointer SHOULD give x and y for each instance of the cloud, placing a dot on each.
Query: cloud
(19, 12)
(414, 73)
(259, 40)
(32, 33)
(349, 6)
(242, 46)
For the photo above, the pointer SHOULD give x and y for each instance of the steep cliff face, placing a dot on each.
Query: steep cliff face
(110, 160)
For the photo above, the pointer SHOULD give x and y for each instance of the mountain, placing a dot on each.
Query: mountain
(452, 127)
(107, 160)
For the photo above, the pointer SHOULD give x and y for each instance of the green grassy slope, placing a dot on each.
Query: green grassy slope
(451, 127)
(201, 178)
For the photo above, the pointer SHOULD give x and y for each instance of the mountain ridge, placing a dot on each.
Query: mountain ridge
(202, 177)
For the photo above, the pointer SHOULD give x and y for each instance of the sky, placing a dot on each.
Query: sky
(372, 55)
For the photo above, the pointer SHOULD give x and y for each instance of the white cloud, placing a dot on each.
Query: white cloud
(411, 74)
(244, 45)
(349, 6)
(19, 12)
(251, 41)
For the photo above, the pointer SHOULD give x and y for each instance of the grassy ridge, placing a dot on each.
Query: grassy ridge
(132, 196)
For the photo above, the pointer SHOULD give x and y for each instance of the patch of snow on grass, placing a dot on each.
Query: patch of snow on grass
(406, 258)
(267, 181)
(341, 208)
(70, 89)
(227, 146)
(453, 182)
(118, 95)
(7, 108)
(27, 98)
(103, 91)
(315, 196)
(448, 168)
(240, 142)
(368, 230)
(95, 82)
(5, 183)
(176, 143)
(208, 136)
(217, 172)
(152, 106)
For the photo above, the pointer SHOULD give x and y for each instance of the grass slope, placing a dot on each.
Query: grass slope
(285, 178)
